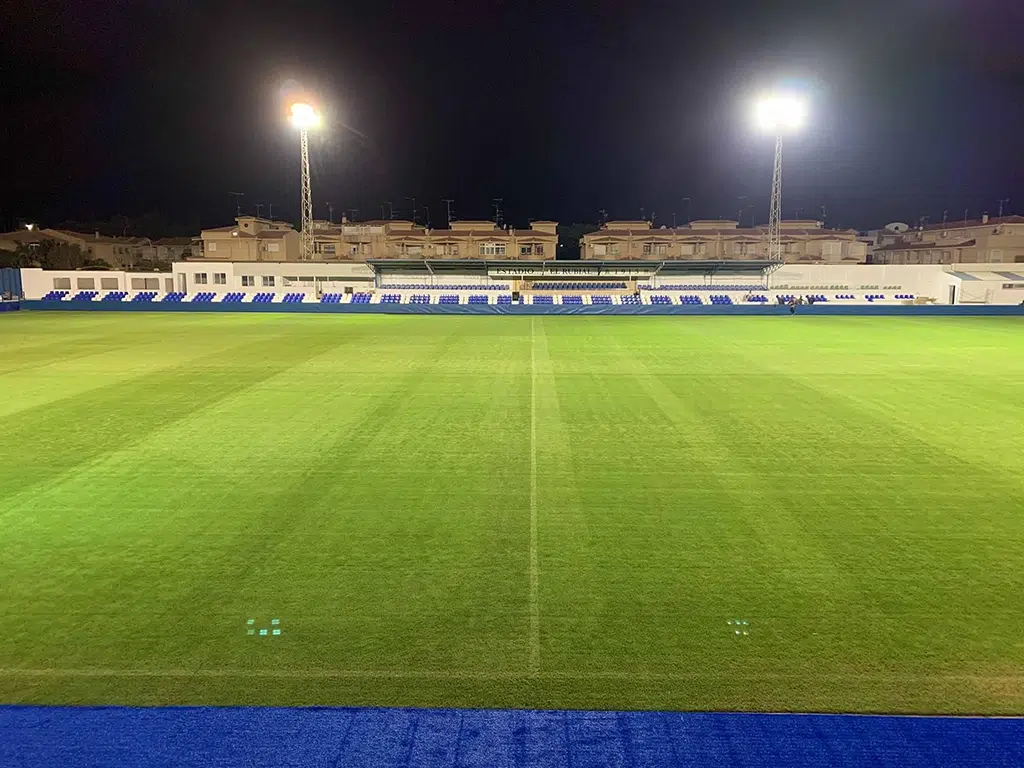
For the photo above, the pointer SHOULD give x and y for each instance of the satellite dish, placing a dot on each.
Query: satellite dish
(898, 227)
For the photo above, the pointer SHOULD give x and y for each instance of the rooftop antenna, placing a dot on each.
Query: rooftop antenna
(673, 219)
(391, 210)
(259, 207)
(643, 214)
(448, 204)
(824, 215)
(238, 202)
(352, 212)
(604, 216)
(499, 218)
(330, 213)
(413, 200)
(1005, 200)
(945, 215)
(687, 201)
(270, 213)
(739, 216)
(426, 212)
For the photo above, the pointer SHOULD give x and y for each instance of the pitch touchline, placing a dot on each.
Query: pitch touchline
(534, 570)
(456, 675)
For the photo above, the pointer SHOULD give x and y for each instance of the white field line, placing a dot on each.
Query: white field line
(386, 674)
(534, 568)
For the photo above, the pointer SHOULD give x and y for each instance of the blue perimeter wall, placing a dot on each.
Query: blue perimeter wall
(183, 737)
(526, 309)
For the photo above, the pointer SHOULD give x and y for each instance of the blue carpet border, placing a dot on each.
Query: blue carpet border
(324, 737)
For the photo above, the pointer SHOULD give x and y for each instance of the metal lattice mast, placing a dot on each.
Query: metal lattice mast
(306, 240)
(775, 217)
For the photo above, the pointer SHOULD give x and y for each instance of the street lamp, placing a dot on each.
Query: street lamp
(304, 116)
(778, 114)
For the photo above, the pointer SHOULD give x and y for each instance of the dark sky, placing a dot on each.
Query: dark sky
(561, 108)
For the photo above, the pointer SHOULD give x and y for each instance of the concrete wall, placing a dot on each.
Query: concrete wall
(308, 275)
(36, 283)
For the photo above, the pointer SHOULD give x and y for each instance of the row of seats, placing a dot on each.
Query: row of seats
(572, 299)
(660, 299)
(448, 299)
(330, 298)
(426, 287)
(263, 298)
(758, 299)
(844, 296)
(361, 298)
(478, 299)
(720, 300)
(631, 300)
(419, 299)
(391, 298)
(203, 297)
(144, 297)
(85, 295)
(233, 298)
(115, 296)
(904, 296)
(873, 296)
(174, 298)
(702, 288)
(56, 295)
(593, 286)
(293, 298)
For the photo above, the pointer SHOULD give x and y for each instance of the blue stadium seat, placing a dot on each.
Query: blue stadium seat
(538, 300)
(419, 298)
(361, 298)
(203, 298)
(720, 300)
(661, 299)
(600, 299)
(115, 296)
(572, 299)
(478, 300)
(505, 298)
(630, 300)
(691, 300)
(448, 299)
(174, 297)
(144, 296)
(85, 296)
(391, 298)
(56, 295)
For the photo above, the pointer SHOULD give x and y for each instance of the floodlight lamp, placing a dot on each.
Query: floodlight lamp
(781, 113)
(30, 227)
(304, 116)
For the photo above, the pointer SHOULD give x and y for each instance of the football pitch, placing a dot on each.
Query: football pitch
(717, 513)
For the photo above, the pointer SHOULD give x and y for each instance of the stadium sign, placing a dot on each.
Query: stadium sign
(590, 270)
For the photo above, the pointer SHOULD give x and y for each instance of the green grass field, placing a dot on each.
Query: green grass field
(492, 511)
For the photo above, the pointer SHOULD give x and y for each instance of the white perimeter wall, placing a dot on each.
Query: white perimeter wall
(308, 275)
(36, 283)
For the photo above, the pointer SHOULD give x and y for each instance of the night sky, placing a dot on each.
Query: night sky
(560, 108)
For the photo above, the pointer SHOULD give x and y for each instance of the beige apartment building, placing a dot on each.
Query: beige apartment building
(251, 239)
(118, 252)
(398, 239)
(978, 241)
(802, 241)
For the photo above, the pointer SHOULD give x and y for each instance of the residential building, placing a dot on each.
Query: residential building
(802, 241)
(177, 248)
(118, 252)
(977, 241)
(399, 239)
(250, 239)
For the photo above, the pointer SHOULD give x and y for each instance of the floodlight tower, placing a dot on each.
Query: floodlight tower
(304, 117)
(778, 114)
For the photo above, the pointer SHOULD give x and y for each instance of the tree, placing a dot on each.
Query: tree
(48, 254)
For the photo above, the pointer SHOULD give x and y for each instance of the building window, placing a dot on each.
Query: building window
(701, 249)
(273, 247)
(613, 249)
(742, 248)
(199, 278)
(947, 257)
(220, 278)
(62, 283)
(526, 250)
(211, 246)
(268, 281)
(492, 249)
(86, 283)
(109, 283)
(329, 249)
(660, 249)
(539, 249)
(411, 250)
(648, 247)
(600, 249)
(248, 280)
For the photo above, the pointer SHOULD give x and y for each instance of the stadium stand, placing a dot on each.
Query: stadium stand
(56, 295)
(505, 299)
(631, 300)
(391, 298)
(331, 298)
(85, 296)
(758, 299)
(572, 299)
(544, 286)
(537, 300)
(844, 296)
(448, 298)
(661, 299)
(904, 296)
(691, 300)
(601, 300)
(233, 298)
(174, 297)
(361, 298)
(720, 299)
(874, 296)
(144, 296)
(419, 298)
(293, 298)
(426, 287)
(204, 297)
(263, 298)
(115, 296)
(475, 299)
